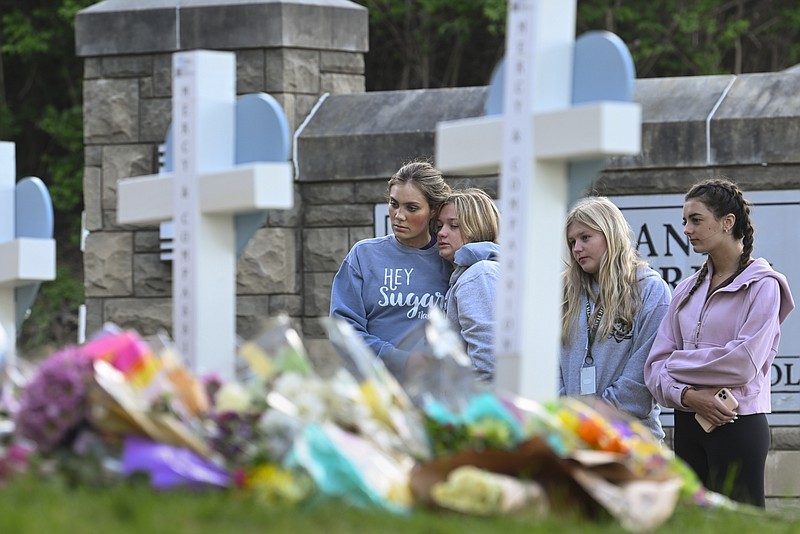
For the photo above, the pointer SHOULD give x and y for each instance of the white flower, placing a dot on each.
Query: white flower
(307, 394)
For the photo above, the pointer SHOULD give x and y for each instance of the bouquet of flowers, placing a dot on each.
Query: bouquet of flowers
(289, 435)
(286, 435)
(566, 456)
(55, 401)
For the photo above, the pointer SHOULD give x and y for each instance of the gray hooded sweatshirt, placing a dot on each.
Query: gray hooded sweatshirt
(469, 302)
(619, 360)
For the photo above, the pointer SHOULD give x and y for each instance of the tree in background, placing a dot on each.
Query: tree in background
(700, 37)
(448, 43)
(432, 43)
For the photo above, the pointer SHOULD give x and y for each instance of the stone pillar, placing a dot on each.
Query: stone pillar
(294, 50)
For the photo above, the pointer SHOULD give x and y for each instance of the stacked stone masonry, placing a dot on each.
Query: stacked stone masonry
(127, 97)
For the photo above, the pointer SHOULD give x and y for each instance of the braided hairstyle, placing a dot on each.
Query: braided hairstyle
(721, 196)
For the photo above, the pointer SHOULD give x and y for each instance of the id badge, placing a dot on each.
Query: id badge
(588, 379)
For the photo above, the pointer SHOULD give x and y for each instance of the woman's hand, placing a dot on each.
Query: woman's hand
(704, 402)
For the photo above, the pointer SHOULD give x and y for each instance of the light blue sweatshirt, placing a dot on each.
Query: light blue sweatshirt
(383, 289)
(619, 361)
(470, 302)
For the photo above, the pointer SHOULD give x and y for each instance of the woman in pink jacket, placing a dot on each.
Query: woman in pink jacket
(721, 331)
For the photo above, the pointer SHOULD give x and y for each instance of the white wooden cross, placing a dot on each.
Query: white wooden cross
(23, 260)
(535, 139)
(202, 195)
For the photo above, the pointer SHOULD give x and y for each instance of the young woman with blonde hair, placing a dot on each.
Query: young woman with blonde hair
(469, 224)
(612, 307)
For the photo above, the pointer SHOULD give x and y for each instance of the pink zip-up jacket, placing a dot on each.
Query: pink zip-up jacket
(728, 340)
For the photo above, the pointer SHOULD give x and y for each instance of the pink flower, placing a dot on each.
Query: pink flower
(15, 461)
(55, 400)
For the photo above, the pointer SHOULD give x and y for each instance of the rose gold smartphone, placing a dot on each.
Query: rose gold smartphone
(727, 399)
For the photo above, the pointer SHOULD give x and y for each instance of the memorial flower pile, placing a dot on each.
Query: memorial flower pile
(120, 406)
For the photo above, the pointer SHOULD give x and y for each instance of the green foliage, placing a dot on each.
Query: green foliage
(8, 123)
(37, 26)
(41, 111)
(700, 37)
(443, 43)
(52, 321)
(433, 43)
(495, 13)
(20, 34)
(65, 127)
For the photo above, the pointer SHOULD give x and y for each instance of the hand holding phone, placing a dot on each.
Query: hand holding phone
(724, 397)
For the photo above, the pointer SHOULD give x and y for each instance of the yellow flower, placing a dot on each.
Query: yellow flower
(278, 487)
(374, 399)
(232, 397)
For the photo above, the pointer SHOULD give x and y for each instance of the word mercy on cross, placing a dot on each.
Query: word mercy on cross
(539, 134)
(202, 195)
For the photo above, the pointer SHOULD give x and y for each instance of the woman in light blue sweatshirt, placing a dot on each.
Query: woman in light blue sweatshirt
(612, 307)
(468, 227)
(387, 285)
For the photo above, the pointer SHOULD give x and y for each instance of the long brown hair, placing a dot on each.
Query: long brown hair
(429, 181)
(721, 196)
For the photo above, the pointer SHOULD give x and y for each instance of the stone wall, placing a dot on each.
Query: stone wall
(694, 127)
(281, 49)
(346, 154)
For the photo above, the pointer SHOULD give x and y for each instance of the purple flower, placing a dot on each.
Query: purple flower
(236, 436)
(55, 400)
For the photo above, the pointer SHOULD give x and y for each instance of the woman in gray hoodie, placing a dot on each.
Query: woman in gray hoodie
(612, 307)
(467, 237)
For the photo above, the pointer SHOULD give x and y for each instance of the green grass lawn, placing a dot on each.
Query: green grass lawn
(32, 507)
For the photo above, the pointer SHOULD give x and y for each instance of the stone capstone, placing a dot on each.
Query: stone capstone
(118, 27)
(392, 127)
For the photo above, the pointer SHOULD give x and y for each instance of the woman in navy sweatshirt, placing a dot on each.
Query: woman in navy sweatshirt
(386, 285)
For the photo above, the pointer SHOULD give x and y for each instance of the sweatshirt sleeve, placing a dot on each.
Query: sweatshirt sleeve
(347, 303)
(629, 391)
(738, 361)
(664, 388)
(475, 300)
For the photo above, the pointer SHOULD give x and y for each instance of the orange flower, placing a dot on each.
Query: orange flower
(590, 432)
